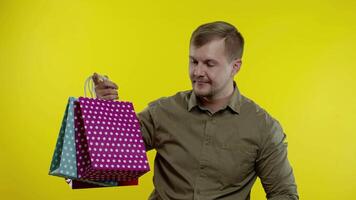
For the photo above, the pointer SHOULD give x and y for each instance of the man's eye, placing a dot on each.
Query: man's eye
(210, 65)
(194, 62)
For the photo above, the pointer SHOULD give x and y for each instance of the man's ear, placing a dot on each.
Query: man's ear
(236, 65)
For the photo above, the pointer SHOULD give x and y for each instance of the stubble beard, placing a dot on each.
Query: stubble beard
(207, 93)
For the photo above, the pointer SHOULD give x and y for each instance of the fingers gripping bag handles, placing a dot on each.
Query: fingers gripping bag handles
(99, 143)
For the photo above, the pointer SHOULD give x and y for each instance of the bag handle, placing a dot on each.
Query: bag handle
(90, 86)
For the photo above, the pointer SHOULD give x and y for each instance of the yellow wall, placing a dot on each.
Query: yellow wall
(299, 64)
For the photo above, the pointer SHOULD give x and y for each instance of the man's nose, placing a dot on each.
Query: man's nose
(199, 70)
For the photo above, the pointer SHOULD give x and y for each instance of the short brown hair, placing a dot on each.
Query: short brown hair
(234, 42)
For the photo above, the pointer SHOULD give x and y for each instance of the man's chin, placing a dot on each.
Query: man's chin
(201, 93)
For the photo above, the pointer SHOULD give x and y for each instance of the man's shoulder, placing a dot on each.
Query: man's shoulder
(249, 106)
(253, 111)
(179, 99)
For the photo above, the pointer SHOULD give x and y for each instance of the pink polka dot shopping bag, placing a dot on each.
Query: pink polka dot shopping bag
(99, 144)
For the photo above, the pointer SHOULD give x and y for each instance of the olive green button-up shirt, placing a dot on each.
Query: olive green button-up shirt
(215, 156)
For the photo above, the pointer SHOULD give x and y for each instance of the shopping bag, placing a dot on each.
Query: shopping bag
(109, 144)
(64, 161)
(64, 158)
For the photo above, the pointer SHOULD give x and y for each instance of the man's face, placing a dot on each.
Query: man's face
(210, 71)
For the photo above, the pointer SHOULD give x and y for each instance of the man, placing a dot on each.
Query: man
(212, 142)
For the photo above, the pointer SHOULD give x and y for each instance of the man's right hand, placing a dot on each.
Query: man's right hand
(104, 88)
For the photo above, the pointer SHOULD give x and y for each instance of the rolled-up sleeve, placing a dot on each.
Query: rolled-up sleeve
(272, 165)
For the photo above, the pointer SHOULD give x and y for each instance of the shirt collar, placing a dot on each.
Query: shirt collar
(234, 103)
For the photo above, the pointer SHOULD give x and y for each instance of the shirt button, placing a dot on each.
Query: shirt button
(207, 141)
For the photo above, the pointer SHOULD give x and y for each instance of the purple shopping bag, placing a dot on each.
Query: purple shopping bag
(109, 143)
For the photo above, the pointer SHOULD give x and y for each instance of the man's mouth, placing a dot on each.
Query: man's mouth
(197, 82)
(200, 82)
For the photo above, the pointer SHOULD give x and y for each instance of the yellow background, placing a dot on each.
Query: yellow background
(299, 64)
